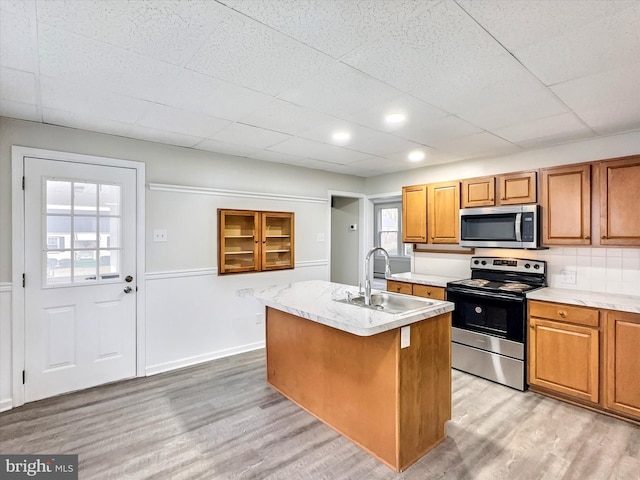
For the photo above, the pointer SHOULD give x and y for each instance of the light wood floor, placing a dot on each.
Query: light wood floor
(221, 421)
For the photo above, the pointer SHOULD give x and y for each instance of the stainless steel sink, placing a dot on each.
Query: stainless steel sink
(389, 302)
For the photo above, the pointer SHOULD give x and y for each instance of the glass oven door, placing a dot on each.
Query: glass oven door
(493, 314)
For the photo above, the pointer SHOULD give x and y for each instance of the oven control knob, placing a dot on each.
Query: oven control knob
(484, 262)
(476, 262)
(536, 266)
(527, 265)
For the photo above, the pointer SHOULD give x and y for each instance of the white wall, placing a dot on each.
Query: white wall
(192, 313)
(344, 242)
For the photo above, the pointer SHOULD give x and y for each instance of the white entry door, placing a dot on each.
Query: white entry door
(80, 276)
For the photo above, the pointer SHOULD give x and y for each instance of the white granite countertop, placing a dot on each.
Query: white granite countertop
(314, 300)
(608, 301)
(433, 280)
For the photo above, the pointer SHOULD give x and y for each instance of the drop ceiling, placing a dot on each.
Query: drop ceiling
(273, 80)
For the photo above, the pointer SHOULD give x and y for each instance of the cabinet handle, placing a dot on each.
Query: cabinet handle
(562, 313)
(603, 237)
(587, 237)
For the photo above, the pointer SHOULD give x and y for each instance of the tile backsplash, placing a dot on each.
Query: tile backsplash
(608, 270)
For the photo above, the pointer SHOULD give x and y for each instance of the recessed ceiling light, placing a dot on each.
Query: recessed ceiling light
(395, 118)
(416, 156)
(341, 136)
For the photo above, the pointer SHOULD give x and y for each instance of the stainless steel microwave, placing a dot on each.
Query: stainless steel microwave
(514, 226)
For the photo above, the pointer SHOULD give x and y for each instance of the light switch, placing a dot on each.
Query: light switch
(405, 336)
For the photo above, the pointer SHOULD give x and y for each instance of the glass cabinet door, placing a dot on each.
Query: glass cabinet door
(239, 241)
(277, 240)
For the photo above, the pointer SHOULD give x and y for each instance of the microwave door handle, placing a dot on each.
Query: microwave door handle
(518, 227)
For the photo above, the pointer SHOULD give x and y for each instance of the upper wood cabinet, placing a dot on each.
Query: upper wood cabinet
(478, 192)
(414, 214)
(566, 205)
(251, 241)
(517, 188)
(619, 213)
(443, 212)
(623, 363)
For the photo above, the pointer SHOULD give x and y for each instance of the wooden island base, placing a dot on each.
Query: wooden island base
(391, 401)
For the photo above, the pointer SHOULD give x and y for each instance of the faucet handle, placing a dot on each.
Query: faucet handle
(360, 292)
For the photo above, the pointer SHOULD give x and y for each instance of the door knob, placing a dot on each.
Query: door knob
(128, 289)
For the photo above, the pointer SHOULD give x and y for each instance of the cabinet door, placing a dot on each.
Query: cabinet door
(277, 240)
(564, 358)
(399, 287)
(623, 363)
(517, 188)
(414, 214)
(619, 212)
(444, 212)
(238, 241)
(427, 291)
(566, 205)
(478, 192)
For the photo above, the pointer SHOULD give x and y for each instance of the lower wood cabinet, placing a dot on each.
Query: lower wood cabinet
(623, 363)
(585, 355)
(419, 290)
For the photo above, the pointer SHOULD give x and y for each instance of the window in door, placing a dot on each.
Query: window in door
(82, 241)
(388, 228)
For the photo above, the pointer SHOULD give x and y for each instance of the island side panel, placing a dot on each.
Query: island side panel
(347, 381)
(425, 388)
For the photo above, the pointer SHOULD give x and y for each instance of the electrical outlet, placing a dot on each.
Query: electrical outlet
(259, 317)
(320, 237)
(160, 235)
(568, 277)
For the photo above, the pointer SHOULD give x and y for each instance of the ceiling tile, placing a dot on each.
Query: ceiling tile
(278, 157)
(335, 27)
(340, 90)
(522, 23)
(415, 110)
(168, 30)
(362, 139)
(479, 144)
(374, 166)
(223, 147)
(438, 130)
(204, 94)
(318, 151)
(16, 42)
(607, 102)
(17, 86)
(247, 53)
(111, 127)
(84, 99)
(175, 120)
(23, 111)
(78, 59)
(556, 128)
(443, 38)
(285, 117)
(249, 136)
(602, 45)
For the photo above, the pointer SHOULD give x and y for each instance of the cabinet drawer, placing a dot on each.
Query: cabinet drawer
(399, 287)
(565, 313)
(427, 291)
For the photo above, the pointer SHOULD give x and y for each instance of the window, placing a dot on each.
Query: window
(388, 229)
(82, 228)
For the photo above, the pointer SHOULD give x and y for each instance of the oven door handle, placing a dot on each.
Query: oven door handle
(518, 227)
(475, 293)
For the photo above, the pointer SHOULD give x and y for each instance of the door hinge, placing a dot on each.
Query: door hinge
(23, 376)
(24, 280)
(23, 182)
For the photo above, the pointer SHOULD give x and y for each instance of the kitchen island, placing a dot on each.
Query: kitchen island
(381, 379)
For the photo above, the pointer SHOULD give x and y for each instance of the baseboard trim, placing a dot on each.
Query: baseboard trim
(207, 357)
(6, 404)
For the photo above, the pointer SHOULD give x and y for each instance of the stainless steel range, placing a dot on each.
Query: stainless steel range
(489, 321)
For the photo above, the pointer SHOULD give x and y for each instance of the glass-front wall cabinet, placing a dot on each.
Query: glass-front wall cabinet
(252, 241)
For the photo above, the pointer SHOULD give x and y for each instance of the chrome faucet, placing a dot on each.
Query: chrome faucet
(367, 281)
